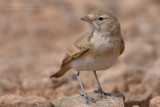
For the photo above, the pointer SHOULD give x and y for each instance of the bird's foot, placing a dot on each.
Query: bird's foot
(103, 94)
(87, 98)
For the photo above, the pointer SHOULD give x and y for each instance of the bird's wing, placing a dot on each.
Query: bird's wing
(122, 46)
(80, 46)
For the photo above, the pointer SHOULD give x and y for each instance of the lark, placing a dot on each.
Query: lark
(97, 50)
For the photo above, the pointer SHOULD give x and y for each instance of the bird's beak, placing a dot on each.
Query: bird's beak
(87, 19)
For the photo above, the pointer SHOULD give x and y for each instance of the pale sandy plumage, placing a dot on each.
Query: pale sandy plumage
(96, 50)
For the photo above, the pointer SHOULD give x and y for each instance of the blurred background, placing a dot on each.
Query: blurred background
(34, 35)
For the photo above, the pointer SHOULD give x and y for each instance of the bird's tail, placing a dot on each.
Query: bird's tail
(61, 72)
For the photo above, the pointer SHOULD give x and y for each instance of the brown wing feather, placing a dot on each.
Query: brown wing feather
(68, 58)
(80, 46)
(122, 46)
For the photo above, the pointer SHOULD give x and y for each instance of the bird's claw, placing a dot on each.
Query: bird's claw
(87, 98)
(103, 94)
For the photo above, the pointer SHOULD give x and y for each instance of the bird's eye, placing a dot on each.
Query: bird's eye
(100, 18)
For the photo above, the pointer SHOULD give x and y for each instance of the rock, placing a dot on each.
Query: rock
(143, 50)
(151, 82)
(115, 100)
(155, 102)
(139, 103)
(19, 101)
(135, 106)
(125, 80)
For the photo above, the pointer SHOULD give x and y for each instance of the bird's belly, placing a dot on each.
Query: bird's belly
(87, 63)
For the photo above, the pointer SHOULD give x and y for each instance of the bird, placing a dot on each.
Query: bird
(96, 50)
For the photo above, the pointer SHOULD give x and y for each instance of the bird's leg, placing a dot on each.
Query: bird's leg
(87, 98)
(100, 88)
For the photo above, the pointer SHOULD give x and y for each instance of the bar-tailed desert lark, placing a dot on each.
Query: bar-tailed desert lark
(98, 49)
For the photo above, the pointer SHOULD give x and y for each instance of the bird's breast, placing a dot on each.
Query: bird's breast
(103, 45)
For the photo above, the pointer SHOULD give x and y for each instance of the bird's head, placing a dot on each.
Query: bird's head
(102, 21)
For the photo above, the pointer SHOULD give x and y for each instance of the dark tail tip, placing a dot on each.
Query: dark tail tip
(51, 76)
(54, 76)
